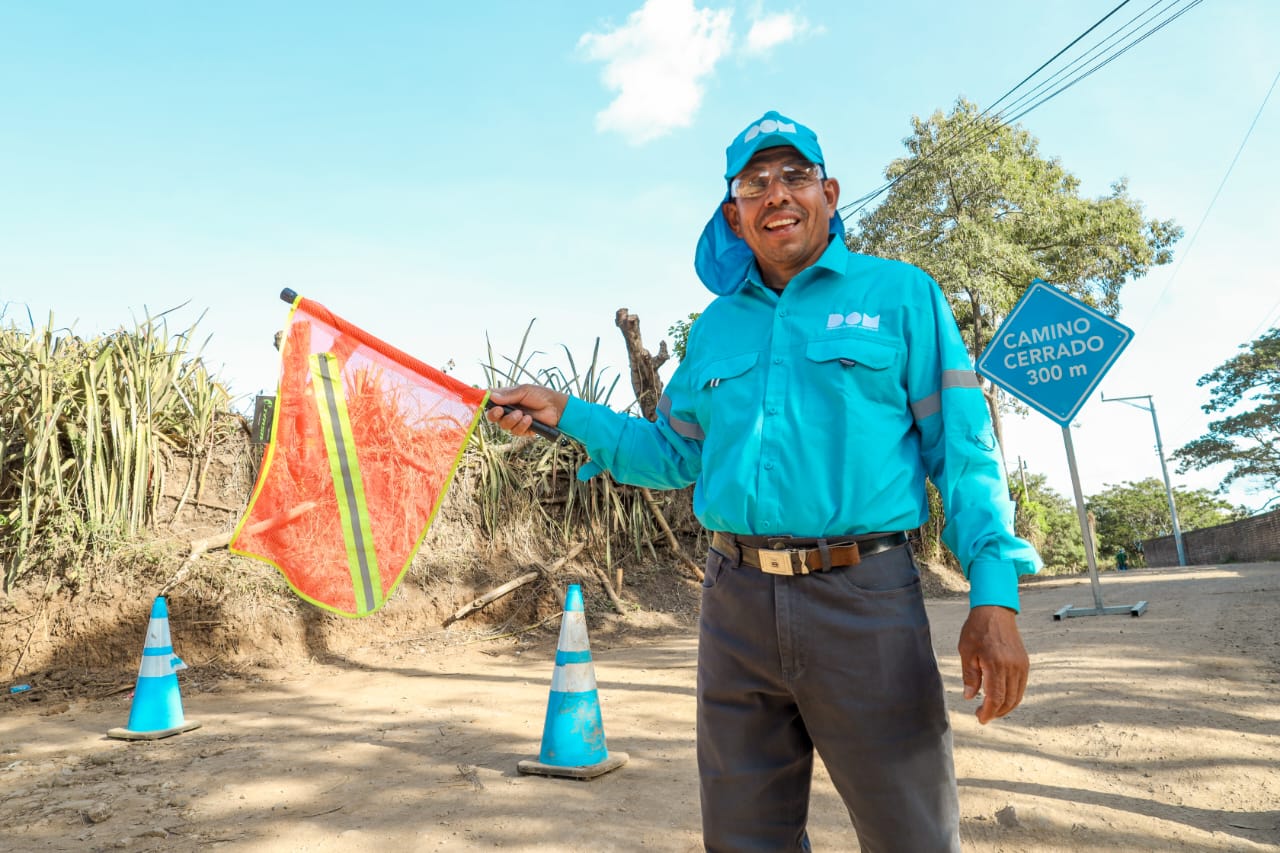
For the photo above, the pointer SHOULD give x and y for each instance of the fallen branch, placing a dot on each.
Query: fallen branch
(222, 540)
(608, 587)
(208, 504)
(512, 633)
(490, 597)
(671, 537)
(510, 586)
(550, 571)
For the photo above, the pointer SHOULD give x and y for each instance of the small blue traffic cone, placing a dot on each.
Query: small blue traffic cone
(573, 735)
(157, 706)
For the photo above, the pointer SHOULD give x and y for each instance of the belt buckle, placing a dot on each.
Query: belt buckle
(781, 562)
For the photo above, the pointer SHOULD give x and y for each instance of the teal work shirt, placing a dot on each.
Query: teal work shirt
(820, 412)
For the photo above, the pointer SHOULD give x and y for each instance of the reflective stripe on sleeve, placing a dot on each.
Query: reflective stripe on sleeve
(959, 379)
(685, 429)
(932, 404)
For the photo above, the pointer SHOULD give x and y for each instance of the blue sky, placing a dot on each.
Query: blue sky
(439, 172)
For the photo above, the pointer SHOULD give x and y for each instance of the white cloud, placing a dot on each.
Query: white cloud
(656, 63)
(769, 31)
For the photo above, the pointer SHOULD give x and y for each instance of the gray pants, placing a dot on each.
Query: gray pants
(840, 661)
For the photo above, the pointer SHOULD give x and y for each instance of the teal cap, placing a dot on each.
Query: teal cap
(771, 130)
(722, 258)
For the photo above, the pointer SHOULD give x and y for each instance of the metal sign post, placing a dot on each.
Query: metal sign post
(1098, 609)
(1051, 352)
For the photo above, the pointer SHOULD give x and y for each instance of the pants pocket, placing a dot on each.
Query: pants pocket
(716, 562)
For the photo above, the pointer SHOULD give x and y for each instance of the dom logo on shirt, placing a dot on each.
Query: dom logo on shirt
(856, 319)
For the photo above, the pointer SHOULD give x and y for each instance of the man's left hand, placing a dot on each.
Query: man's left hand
(993, 660)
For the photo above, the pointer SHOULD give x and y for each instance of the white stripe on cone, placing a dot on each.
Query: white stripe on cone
(573, 632)
(573, 678)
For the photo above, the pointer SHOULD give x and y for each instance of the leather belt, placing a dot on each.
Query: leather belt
(787, 555)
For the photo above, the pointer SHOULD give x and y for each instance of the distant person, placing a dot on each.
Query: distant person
(817, 393)
(1122, 560)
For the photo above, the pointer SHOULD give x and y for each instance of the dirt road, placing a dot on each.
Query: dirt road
(1152, 733)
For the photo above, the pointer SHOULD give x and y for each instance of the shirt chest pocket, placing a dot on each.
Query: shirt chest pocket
(855, 367)
(727, 387)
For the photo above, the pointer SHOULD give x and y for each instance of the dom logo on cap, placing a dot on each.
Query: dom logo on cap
(768, 126)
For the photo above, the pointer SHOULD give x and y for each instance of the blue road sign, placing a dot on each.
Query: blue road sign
(1052, 351)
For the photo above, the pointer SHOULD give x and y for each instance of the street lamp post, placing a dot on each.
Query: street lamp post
(1168, 490)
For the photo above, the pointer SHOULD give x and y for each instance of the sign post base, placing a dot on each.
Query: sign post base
(1070, 610)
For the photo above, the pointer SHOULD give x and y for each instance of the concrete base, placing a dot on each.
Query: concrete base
(612, 762)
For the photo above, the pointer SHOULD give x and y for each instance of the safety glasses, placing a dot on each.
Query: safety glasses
(754, 182)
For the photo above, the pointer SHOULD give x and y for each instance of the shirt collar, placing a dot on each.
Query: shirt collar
(834, 259)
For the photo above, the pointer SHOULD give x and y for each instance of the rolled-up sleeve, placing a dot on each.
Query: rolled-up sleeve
(958, 445)
(663, 454)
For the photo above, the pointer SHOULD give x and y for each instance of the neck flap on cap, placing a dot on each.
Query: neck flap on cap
(722, 257)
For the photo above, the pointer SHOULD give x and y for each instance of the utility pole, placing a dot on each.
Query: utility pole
(1168, 490)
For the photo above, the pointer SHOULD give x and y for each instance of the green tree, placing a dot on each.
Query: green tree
(1246, 388)
(1131, 512)
(1049, 521)
(977, 206)
(680, 334)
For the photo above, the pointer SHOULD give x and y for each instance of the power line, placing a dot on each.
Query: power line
(1209, 209)
(1123, 31)
(1266, 318)
(1111, 58)
(1050, 60)
(979, 129)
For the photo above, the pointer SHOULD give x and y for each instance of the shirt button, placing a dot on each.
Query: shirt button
(777, 359)
(782, 313)
(773, 410)
(768, 466)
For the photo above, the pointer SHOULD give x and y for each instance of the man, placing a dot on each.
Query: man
(816, 394)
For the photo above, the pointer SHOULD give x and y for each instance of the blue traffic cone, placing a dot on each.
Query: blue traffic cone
(573, 735)
(157, 706)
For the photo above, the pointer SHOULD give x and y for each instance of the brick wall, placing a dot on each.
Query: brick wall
(1251, 540)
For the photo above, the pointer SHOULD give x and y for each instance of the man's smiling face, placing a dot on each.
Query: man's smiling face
(786, 228)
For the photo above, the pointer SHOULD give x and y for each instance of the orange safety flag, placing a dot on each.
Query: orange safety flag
(364, 443)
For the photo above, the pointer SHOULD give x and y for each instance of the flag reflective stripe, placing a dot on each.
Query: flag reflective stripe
(339, 440)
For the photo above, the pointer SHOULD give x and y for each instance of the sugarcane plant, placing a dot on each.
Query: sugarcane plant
(536, 480)
(87, 429)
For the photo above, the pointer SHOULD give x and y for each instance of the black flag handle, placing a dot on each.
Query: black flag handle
(548, 432)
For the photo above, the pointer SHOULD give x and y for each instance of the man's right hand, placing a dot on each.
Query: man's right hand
(532, 402)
